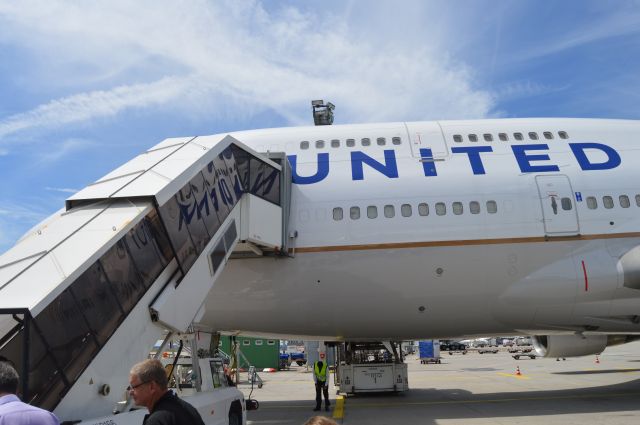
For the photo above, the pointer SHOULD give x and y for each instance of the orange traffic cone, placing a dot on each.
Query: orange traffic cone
(518, 371)
(597, 360)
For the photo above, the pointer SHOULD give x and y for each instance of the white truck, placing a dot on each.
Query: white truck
(205, 387)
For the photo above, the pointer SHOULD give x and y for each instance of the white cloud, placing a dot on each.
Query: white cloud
(524, 89)
(238, 58)
(14, 218)
(61, 189)
(90, 105)
(611, 23)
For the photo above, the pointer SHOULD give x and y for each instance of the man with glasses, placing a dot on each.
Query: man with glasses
(148, 386)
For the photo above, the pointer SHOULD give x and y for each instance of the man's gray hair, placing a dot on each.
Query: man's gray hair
(151, 370)
(8, 378)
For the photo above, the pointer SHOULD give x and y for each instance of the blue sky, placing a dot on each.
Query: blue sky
(85, 86)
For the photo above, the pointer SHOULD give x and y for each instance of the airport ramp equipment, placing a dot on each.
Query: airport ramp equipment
(86, 293)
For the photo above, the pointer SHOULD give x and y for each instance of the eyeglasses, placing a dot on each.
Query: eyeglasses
(133, 387)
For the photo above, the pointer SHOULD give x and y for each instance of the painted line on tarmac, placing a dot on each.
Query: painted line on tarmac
(357, 405)
(338, 411)
(513, 375)
(498, 400)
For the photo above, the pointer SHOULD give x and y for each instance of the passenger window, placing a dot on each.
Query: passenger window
(351, 142)
(474, 207)
(566, 204)
(592, 203)
(441, 208)
(337, 214)
(548, 135)
(67, 335)
(246, 342)
(423, 209)
(487, 137)
(366, 141)
(503, 137)
(372, 211)
(304, 145)
(179, 236)
(457, 208)
(533, 135)
(381, 141)
(123, 276)
(354, 213)
(607, 201)
(389, 211)
(144, 254)
(563, 134)
(319, 144)
(624, 201)
(518, 136)
(396, 141)
(473, 138)
(335, 143)
(492, 207)
(405, 210)
(457, 138)
(92, 289)
(258, 342)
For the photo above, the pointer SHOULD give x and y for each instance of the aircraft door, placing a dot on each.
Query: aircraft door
(558, 206)
(427, 135)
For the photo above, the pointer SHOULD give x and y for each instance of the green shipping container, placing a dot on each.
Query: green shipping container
(261, 353)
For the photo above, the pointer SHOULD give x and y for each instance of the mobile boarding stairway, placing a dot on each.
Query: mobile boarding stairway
(86, 293)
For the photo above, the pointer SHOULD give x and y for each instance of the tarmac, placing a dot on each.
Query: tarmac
(472, 389)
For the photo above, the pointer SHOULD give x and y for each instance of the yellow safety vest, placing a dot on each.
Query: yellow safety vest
(321, 374)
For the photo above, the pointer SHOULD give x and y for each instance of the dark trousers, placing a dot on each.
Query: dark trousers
(324, 388)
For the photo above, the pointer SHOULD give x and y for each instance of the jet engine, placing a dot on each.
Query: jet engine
(577, 344)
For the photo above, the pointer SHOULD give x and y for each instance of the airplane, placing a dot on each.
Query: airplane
(392, 231)
(450, 228)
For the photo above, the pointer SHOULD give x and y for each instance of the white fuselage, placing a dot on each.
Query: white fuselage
(478, 238)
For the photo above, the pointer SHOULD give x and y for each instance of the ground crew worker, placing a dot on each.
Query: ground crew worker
(321, 379)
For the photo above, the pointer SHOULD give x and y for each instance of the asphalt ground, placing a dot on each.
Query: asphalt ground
(473, 389)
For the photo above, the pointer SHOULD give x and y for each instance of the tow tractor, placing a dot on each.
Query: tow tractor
(364, 367)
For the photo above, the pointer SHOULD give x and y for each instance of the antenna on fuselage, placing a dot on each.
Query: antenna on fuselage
(322, 114)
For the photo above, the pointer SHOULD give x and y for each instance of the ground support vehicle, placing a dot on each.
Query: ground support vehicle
(429, 351)
(484, 350)
(299, 358)
(529, 354)
(365, 367)
(453, 347)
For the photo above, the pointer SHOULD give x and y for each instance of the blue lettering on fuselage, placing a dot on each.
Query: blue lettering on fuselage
(473, 152)
(524, 159)
(428, 164)
(389, 168)
(321, 173)
(525, 155)
(579, 148)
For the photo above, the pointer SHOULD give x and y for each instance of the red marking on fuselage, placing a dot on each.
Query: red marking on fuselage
(586, 279)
